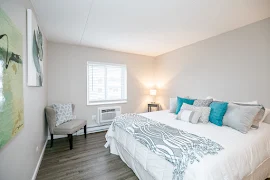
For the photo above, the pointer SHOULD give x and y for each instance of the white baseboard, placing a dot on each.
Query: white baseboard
(39, 161)
(94, 129)
(90, 129)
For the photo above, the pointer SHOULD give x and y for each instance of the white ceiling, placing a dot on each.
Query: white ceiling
(147, 27)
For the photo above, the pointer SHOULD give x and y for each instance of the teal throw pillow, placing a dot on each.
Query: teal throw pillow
(218, 110)
(180, 102)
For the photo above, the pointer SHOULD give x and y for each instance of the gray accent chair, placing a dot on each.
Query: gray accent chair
(67, 128)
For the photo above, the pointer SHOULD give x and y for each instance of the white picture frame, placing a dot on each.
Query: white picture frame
(35, 43)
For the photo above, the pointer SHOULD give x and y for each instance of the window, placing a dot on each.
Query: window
(106, 83)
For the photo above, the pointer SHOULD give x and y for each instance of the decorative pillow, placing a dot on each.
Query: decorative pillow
(173, 104)
(205, 111)
(180, 102)
(188, 116)
(63, 113)
(259, 117)
(251, 102)
(240, 117)
(214, 99)
(218, 110)
(202, 102)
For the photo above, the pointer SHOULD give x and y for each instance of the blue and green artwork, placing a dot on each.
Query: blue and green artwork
(11, 80)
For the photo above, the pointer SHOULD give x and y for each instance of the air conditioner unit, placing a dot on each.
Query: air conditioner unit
(107, 114)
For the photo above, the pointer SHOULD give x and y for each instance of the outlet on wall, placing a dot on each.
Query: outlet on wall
(37, 148)
(94, 117)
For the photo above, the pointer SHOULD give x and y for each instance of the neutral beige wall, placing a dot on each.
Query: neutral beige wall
(231, 66)
(67, 77)
(18, 158)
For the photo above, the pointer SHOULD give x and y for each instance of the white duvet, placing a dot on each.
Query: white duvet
(245, 156)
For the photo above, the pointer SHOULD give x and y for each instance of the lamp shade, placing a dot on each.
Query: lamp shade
(153, 92)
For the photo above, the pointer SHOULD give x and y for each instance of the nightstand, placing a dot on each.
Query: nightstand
(150, 105)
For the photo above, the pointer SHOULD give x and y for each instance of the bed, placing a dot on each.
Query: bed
(245, 156)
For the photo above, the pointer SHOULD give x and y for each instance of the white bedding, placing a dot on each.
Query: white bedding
(245, 156)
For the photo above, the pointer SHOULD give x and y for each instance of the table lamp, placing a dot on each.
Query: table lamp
(153, 92)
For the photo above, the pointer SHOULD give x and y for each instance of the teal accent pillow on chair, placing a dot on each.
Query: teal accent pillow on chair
(180, 102)
(218, 110)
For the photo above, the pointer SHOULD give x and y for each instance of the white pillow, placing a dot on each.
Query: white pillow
(173, 104)
(240, 117)
(205, 111)
(63, 113)
(259, 116)
(251, 102)
(189, 116)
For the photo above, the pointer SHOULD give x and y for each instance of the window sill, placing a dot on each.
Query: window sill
(104, 103)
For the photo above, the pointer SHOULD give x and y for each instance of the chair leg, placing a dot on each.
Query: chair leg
(51, 140)
(85, 131)
(70, 138)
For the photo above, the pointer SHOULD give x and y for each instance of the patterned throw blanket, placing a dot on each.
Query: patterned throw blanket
(178, 147)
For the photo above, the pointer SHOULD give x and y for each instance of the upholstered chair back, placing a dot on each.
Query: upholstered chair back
(51, 118)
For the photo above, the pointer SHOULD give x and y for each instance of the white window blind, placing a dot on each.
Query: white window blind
(106, 83)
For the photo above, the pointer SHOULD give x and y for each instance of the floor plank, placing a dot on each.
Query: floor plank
(88, 159)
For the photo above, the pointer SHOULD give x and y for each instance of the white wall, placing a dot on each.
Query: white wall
(231, 66)
(67, 77)
(18, 158)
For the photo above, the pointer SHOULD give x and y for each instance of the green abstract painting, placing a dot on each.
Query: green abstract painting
(11, 80)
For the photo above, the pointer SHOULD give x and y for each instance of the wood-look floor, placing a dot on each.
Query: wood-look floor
(88, 159)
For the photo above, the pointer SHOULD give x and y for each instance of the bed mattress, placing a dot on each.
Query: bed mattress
(245, 156)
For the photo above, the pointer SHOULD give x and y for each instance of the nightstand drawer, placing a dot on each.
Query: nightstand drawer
(152, 105)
